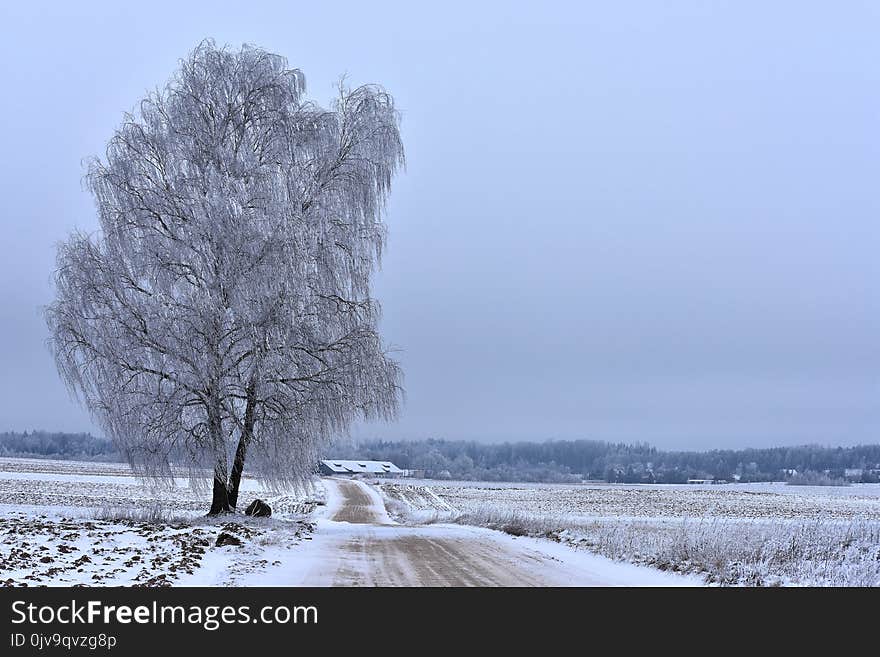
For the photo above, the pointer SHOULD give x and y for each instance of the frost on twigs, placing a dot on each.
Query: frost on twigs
(222, 314)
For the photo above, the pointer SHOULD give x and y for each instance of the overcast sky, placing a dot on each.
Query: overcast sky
(620, 220)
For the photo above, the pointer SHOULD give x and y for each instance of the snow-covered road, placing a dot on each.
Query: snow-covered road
(357, 544)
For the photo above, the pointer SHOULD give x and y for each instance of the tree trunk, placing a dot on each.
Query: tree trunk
(220, 499)
(243, 442)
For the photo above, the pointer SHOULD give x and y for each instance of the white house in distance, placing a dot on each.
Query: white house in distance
(375, 468)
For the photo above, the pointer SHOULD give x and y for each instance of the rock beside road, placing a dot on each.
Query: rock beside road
(258, 509)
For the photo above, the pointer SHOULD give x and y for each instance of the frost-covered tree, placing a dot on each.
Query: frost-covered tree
(222, 314)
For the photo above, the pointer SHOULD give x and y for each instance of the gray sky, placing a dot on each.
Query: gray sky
(620, 220)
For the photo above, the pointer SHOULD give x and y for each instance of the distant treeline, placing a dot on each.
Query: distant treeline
(567, 461)
(553, 461)
(49, 445)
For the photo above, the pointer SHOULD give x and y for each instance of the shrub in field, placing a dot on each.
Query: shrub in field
(810, 478)
(155, 514)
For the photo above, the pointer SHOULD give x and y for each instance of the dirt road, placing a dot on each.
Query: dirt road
(405, 556)
(358, 505)
(359, 545)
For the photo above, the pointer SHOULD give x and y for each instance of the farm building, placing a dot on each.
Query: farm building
(377, 468)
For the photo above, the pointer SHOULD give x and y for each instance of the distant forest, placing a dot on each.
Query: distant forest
(552, 461)
(49, 445)
(574, 461)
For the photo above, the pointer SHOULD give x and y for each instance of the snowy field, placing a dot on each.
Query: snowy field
(79, 524)
(83, 524)
(77, 484)
(772, 501)
(71, 523)
(735, 534)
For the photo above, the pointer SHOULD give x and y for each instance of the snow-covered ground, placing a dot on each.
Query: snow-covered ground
(773, 501)
(76, 484)
(66, 523)
(356, 543)
(749, 534)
